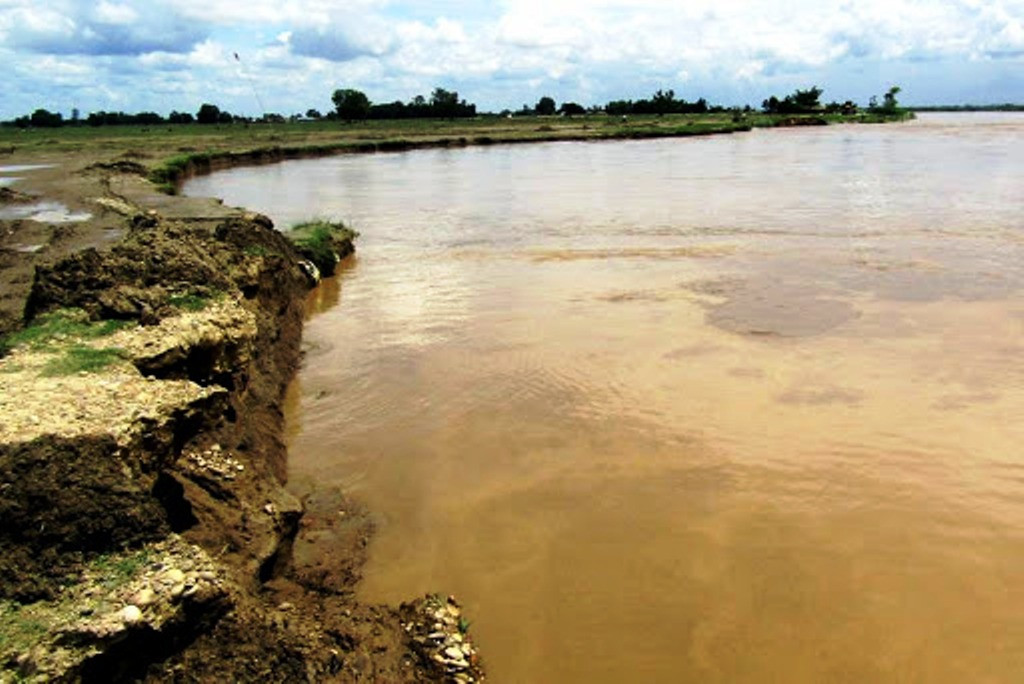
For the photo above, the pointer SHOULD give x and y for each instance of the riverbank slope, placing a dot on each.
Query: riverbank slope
(147, 530)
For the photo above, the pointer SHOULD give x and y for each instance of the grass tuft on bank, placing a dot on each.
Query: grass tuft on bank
(322, 242)
(169, 174)
(192, 302)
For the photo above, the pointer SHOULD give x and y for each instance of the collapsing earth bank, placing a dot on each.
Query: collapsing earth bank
(146, 530)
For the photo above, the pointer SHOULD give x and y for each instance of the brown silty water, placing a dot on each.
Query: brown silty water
(733, 409)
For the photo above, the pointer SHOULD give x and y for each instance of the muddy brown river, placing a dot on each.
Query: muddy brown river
(733, 409)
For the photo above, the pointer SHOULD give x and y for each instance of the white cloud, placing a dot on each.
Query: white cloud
(304, 13)
(502, 54)
(109, 13)
(66, 27)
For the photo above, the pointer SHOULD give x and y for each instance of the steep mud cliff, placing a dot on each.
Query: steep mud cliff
(147, 533)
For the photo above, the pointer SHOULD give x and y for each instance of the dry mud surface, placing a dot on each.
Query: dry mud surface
(147, 534)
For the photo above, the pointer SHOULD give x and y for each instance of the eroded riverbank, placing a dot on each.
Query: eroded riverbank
(147, 530)
(652, 413)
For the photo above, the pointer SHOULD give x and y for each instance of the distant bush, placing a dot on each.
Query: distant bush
(211, 114)
(800, 102)
(42, 118)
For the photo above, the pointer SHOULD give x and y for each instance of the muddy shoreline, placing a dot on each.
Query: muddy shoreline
(148, 534)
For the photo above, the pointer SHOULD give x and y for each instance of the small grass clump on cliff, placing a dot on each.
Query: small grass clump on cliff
(82, 359)
(319, 241)
(190, 302)
(116, 570)
(60, 326)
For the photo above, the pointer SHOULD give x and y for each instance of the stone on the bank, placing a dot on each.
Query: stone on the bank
(131, 614)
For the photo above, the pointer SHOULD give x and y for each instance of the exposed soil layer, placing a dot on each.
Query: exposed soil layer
(147, 531)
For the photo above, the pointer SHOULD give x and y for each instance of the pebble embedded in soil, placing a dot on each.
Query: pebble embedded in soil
(214, 461)
(131, 614)
(145, 583)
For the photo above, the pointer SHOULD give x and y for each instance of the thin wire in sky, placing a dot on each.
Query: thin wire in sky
(245, 75)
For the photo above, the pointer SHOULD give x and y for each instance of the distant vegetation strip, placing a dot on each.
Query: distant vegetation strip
(169, 174)
(352, 105)
(177, 150)
(1006, 107)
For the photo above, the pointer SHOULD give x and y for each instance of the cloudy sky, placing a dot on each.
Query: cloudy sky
(160, 55)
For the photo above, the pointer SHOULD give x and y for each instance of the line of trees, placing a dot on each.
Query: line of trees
(353, 105)
(1004, 107)
(546, 106)
(809, 102)
(42, 118)
(662, 102)
(102, 118)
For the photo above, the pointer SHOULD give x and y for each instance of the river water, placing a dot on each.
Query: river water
(740, 408)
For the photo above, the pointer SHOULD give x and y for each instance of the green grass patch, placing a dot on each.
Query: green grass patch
(117, 569)
(81, 359)
(61, 326)
(18, 629)
(191, 302)
(880, 117)
(167, 175)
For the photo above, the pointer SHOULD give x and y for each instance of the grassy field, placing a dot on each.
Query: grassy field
(170, 139)
(171, 151)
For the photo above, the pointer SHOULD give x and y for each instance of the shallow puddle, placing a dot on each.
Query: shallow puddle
(43, 212)
(7, 181)
(21, 168)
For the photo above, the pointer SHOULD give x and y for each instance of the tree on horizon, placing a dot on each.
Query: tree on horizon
(351, 104)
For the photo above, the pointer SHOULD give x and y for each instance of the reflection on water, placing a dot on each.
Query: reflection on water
(727, 409)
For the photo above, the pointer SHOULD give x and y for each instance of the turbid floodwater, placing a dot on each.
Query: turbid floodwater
(734, 409)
